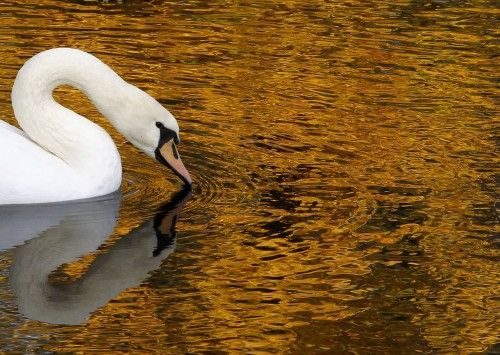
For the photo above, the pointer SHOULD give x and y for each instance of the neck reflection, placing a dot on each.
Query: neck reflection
(124, 265)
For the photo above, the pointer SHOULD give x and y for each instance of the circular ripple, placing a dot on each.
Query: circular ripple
(218, 181)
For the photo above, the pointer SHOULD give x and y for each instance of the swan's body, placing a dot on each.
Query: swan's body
(63, 156)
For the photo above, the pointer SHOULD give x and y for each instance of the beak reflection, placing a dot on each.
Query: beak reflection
(166, 219)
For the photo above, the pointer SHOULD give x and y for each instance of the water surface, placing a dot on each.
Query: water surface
(345, 200)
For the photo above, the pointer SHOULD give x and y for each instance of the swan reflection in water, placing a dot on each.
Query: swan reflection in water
(70, 230)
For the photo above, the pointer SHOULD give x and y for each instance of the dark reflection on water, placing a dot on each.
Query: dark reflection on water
(64, 232)
(344, 159)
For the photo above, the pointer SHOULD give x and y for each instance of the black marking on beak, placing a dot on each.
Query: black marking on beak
(167, 135)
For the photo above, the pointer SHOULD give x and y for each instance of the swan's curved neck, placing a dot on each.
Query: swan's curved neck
(80, 143)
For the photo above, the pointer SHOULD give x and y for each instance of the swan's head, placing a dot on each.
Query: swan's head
(151, 128)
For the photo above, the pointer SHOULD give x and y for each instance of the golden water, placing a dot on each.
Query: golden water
(344, 158)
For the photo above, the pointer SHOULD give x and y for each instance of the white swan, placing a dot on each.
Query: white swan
(61, 155)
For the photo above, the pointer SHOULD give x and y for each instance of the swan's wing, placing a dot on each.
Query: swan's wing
(30, 174)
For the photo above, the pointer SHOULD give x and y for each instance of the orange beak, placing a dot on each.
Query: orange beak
(168, 155)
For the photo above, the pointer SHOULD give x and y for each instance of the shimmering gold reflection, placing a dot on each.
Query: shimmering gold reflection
(344, 162)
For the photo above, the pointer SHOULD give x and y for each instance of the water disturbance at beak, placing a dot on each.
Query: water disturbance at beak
(344, 196)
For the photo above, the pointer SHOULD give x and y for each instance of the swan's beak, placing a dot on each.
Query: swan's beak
(168, 155)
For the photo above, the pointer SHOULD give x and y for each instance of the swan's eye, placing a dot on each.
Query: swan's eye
(160, 125)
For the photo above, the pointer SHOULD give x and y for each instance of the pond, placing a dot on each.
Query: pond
(344, 201)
